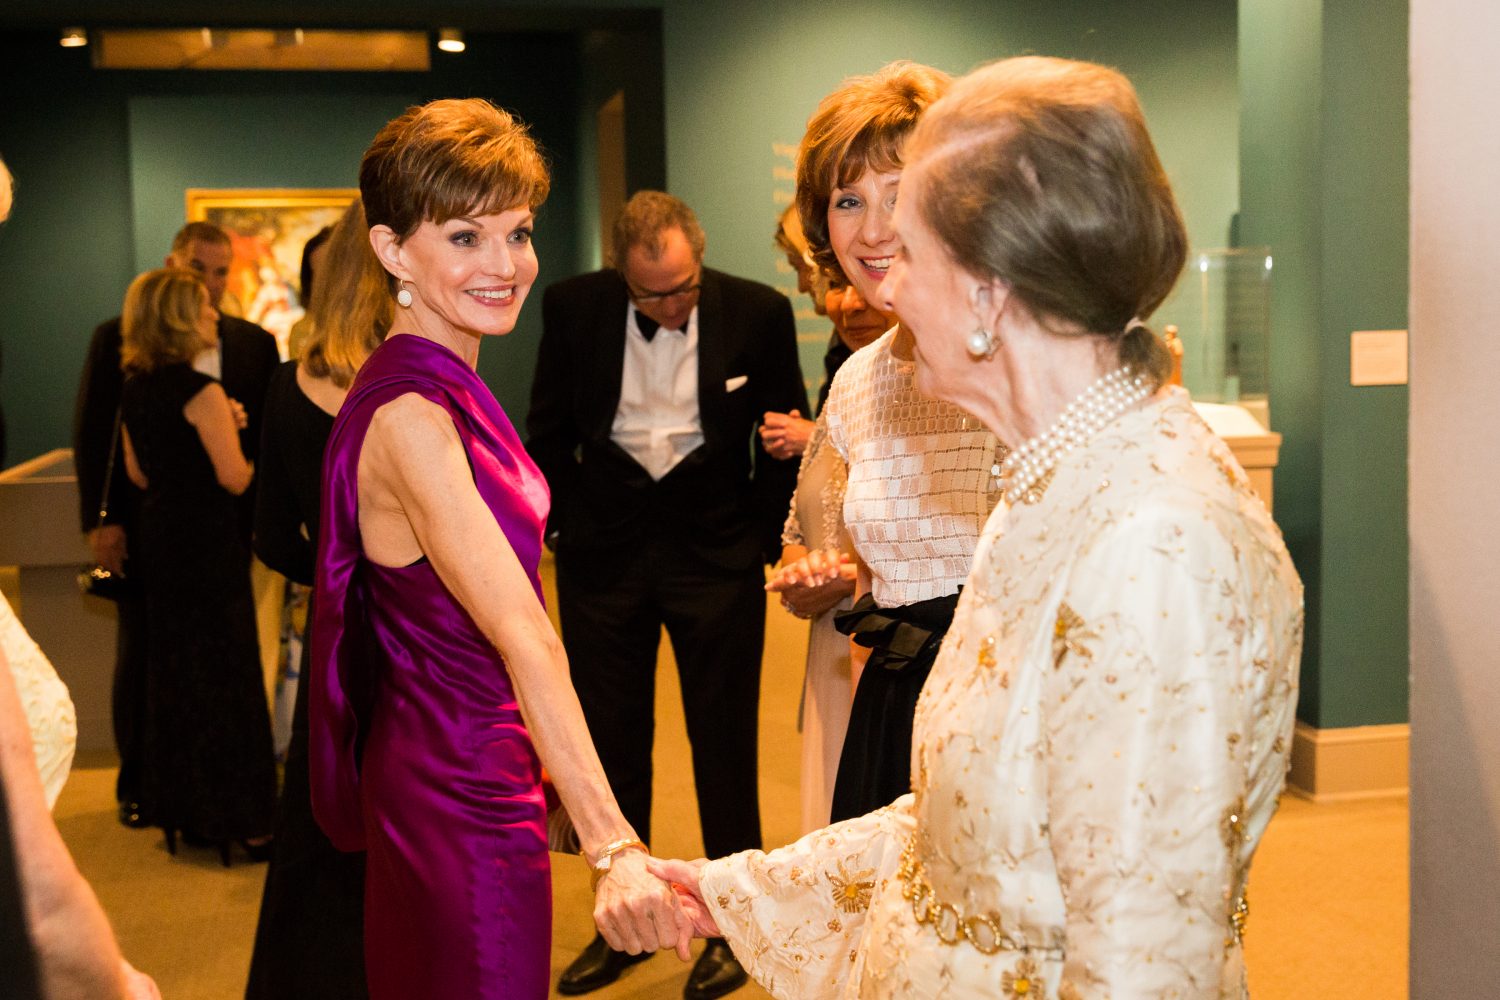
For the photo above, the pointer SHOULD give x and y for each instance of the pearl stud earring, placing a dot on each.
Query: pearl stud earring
(981, 344)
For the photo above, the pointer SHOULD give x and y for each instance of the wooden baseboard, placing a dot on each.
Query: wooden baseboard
(1340, 765)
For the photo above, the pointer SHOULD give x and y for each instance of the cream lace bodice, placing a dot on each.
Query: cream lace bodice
(918, 477)
(1097, 752)
(44, 698)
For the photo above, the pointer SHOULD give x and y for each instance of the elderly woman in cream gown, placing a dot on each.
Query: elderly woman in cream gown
(44, 698)
(1104, 736)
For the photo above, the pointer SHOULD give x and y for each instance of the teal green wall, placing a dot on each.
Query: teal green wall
(101, 175)
(741, 78)
(1324, 138)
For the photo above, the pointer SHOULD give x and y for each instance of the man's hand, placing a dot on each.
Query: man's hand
(684, 878)
(241, 421)
(107, 543)
(637, 912)
(785, 435)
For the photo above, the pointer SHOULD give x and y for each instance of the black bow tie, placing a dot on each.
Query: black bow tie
(649, 326)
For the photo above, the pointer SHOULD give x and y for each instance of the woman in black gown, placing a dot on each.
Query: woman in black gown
(210, 770)
(310, 939)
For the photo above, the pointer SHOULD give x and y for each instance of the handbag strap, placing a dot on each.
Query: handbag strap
(109, 470)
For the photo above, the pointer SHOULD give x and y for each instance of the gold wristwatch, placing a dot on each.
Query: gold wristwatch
(599, 867)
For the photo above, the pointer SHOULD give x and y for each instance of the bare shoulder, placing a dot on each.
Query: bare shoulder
(412, 432)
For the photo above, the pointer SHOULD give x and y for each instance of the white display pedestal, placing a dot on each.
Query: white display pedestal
(1255, 448)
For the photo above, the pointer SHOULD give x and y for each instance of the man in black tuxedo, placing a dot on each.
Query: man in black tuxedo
(243, 361)
(650, 381)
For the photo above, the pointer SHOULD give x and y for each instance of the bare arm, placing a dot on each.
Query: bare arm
(132, 463)
(212, 415)
(76, 952)
(416, 494)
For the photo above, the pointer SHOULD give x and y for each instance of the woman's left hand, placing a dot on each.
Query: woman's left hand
(684, 878)
(637, 912)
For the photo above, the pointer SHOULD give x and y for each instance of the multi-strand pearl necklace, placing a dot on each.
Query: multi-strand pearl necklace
(1024, 473)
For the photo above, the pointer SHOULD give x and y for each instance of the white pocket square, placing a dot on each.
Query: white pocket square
(731, 384)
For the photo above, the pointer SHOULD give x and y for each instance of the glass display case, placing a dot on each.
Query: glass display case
(1221, 312)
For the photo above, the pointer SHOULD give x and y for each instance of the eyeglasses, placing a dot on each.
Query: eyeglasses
(680, 292)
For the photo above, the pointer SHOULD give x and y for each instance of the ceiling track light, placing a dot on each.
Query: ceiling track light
(450, 40)
(289, 38)
(73, 38)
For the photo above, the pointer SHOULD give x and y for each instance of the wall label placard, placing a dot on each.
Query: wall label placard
(1377, 357)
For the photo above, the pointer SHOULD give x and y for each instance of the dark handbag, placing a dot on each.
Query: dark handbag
(95, 580)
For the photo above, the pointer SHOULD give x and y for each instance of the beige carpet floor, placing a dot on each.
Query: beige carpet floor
(1328, 891)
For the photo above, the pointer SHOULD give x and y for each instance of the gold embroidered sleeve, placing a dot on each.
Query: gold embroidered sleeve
(795, 916)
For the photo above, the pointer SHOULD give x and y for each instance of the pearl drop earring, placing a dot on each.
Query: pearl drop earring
(403, 295)
(981, 344)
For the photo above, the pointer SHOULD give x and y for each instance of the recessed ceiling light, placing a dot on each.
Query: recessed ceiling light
(451, 40)
(73, 38)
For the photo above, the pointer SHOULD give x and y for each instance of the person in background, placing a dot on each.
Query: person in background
(784, 435)
(1106, 733)
(651, 379)
(208, 768)
(439, 688)
(242, 357)
(309, 942)
(918, 486)
(55, 941)
(314, 252)
(816, 523)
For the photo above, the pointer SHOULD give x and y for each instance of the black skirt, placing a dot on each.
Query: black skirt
(875, 766)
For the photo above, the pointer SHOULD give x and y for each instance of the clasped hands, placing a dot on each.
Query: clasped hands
(814, 583)
(647, 904)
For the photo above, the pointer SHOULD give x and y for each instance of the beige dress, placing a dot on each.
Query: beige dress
(44, 699)
(816, 521)
(1097, 752)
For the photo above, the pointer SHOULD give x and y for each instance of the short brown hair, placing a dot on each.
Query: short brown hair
(199, 232)
(350, 312)
(860, 126)
(159, 322)
(643, 220)
(450, 159)
(1040, 173)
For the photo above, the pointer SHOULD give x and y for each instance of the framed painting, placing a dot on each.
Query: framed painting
(268, 228)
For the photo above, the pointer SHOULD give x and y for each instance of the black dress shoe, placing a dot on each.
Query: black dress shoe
(598, 965)
(131, 816)
(716, 973)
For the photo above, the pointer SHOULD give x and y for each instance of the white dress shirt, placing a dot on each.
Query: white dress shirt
(657, 421)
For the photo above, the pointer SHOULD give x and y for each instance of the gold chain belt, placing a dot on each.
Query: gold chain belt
(982, 930)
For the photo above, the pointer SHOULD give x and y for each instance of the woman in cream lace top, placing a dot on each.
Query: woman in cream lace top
(1104, 736)
(915, 498)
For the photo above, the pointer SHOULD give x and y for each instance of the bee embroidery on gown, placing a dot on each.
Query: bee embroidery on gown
(1069, 636)
(851, 893)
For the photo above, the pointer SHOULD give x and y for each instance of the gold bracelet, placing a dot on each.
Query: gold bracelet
(599, 867)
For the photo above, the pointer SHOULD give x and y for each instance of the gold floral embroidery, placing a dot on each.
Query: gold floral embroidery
(1022, 984)
(851, 893)
(1232, 826)
(835, 925)
(987, 651)
(1067, 991)
(1279, 746)
(1069, 635)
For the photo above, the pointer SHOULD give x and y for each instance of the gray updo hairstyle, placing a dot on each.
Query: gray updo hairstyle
(1040, 173)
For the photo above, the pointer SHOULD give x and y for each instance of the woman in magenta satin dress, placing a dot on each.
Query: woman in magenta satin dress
(438, 685)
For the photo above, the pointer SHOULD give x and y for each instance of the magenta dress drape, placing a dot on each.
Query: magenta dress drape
(418, 751)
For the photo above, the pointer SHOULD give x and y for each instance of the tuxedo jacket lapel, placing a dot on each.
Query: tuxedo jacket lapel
(711, 359)
(608, 339)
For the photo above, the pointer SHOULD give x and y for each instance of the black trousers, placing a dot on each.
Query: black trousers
(612, 611)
